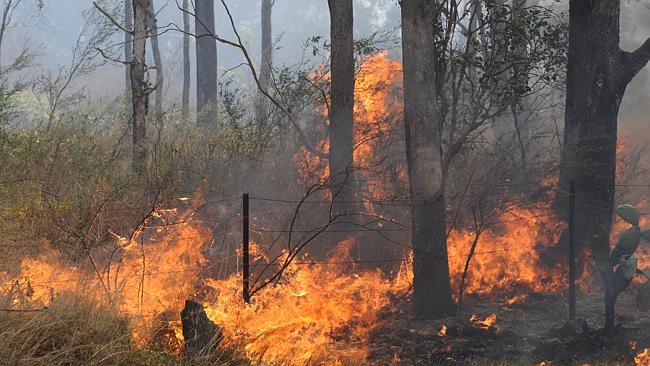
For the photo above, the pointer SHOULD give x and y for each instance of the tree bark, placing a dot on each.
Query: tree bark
(341, 157)
(139, 85)
(598, 72)
(520, 105)
(261, 103)
(206, 63)
(128, 46)
(185, 99)
(431, 286)
(503, 124)
(157, 59)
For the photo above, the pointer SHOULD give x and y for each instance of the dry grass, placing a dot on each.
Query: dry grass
(72, 331)
(76, 331)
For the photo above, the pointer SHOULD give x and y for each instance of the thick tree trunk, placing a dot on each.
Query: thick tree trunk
(431, 285)
(157, 59)
(185, 99)
(139, 85)
(261, 102)
(597, 76)
(341, 159)
(128, 47)
(206, 63)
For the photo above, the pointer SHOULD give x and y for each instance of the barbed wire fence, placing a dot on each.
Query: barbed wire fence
(226, 265)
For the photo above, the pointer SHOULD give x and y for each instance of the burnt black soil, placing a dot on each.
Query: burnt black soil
(526, 333)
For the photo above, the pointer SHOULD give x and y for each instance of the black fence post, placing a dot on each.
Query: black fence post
(245, 249)
(572, 251)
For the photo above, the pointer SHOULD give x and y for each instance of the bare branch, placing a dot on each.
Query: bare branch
(110, 17)
(108, 57)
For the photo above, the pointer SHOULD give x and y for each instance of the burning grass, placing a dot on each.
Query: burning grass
(316, 313)
(323, 312)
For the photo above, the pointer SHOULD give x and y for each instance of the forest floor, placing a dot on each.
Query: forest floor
(525, 333)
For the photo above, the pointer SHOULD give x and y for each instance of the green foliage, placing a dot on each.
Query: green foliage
(628, 213)
(5, 106)
(627, 244)
(623, 253)
(628, 266)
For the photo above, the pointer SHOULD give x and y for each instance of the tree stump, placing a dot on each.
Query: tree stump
(201, 335)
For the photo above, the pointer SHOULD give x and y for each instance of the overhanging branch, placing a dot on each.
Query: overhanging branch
(637, 59)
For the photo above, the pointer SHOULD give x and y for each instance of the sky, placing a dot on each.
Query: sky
(53, 30)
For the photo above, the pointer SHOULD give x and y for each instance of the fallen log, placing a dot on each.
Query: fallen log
(201, 335)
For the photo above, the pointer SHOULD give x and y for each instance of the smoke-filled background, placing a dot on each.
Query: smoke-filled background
(77, 218)
(53, 30)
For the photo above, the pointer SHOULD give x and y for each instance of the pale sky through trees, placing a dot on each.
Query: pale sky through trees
(53, 31)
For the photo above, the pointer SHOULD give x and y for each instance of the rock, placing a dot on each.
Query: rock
(201, 335)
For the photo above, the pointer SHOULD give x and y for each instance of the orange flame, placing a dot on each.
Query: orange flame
(145, 277)
(487, 323)
(376, 110)
(507, 258)
(643, 358)
(317, 312)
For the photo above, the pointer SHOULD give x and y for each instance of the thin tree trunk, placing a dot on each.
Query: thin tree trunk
(598, 72)
(128, 47)
(520, 106)
(341, 159)
(502, 125)
(139, 85)
(206, 63)
(157, 59)
(261, 104)
(185, 100)
(431, 286)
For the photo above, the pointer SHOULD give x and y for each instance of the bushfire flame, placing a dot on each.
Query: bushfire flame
(643, 358)
(322, 312)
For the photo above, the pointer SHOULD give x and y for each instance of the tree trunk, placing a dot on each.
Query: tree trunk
(502, 125)
(185, 100)
(341, 160)
(520, 105)
(139, 85)
(261, 102)
(598, 72)
(431, 285)
(155, 49)
(128, 47)
(206, 63)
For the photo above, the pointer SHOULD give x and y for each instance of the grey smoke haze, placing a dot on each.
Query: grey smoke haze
(53, 31)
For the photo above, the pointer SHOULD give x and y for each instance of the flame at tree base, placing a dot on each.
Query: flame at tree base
(318, 312)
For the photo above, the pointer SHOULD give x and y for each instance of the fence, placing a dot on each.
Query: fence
(247, 228)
